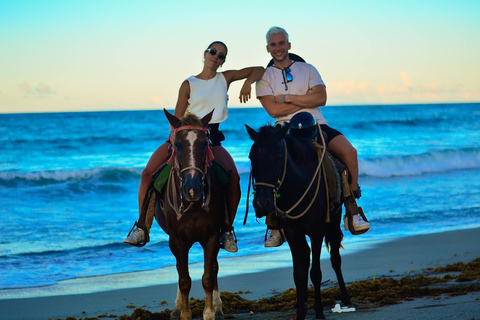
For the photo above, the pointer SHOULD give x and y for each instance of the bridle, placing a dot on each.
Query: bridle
(281, 176)
(176, 170)
(276, 187)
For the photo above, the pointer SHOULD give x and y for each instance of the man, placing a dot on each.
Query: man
(289, 87)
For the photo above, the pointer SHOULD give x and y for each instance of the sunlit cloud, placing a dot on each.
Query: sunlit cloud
(41, 90)
(25, 88)
(157, 100)
(44, 89)
(406, 85)
(348, 86)
(402, 90)
(406, 80)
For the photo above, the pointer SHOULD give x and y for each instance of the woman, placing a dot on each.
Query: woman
(200, 94)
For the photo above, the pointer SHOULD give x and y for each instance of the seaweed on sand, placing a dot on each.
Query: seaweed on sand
(456, 279)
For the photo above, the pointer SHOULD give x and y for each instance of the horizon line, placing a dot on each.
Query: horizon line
(244, 107)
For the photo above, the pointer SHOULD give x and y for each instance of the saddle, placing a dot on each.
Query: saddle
(338, 190)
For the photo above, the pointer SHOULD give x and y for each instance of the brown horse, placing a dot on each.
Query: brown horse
(194, 213)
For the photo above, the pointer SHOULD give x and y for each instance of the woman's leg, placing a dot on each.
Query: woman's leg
(139, 236)
(156, 160)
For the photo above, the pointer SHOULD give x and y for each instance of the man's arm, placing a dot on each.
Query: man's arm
(277, 109)
(315, 97)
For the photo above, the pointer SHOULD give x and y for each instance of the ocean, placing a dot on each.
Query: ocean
(68, 191)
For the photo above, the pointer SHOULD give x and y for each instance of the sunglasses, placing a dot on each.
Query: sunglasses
(213, 52)
(288, 75)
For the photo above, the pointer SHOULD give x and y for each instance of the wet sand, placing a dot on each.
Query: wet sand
(396, 258)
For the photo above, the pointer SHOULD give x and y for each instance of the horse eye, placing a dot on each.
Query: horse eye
(178, 146)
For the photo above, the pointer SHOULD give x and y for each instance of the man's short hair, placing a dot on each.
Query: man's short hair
(276, 30)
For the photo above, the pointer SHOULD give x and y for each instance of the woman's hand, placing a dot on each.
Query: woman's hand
(245, 92)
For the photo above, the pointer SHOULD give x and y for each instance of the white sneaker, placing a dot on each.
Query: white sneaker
(229, 242)
(136, 237)
(275, 239)
(359, 224)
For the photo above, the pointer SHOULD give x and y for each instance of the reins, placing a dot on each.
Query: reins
(287, 213)
(172, 192)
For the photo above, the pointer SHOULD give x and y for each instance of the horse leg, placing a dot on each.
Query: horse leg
(336, 261)
(209, 278)
(316, 273)
(175, 314)
(301, 262)
(217, 302)
(182, 309)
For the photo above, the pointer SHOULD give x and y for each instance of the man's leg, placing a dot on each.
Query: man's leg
(341, 148)
(233, 197)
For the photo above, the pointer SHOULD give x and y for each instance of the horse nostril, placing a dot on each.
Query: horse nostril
(262, 205)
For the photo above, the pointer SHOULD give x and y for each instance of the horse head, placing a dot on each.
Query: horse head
(267, 156)
(191, 152)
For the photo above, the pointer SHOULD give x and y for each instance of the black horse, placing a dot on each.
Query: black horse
(288, 180)
(193, 211)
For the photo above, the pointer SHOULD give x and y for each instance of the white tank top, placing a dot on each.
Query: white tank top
(206, 95)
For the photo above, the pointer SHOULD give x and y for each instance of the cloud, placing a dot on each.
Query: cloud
(39, 91)
(406, 80)
(25, 88)
(157, 100)
(405, 87)
(348, 86)
(44, 89)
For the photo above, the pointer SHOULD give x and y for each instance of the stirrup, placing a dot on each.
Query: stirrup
(348, 221)
(222, 245)
(282, 234)
(147, 235)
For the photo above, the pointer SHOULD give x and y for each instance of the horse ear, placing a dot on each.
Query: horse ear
(205, 120)
(171, 118)
(252, 133)
(280, 134)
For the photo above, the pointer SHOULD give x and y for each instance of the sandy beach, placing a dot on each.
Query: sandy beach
(397, 258)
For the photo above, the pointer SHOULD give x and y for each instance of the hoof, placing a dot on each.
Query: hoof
(175, 314)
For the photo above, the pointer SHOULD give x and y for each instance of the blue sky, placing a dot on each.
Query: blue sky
(127, 55)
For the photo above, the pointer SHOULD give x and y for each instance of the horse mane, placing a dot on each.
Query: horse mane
(299, 149)
(267, 133)
(189, 119)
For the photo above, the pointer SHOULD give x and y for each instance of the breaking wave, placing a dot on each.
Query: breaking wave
(418, 164)
(44, 178)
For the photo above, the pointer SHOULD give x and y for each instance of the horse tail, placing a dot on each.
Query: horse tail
(333, 231)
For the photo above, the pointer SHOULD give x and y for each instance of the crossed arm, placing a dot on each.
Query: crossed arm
(282, 105)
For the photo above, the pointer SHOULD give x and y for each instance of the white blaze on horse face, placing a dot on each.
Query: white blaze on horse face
(192, 136)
